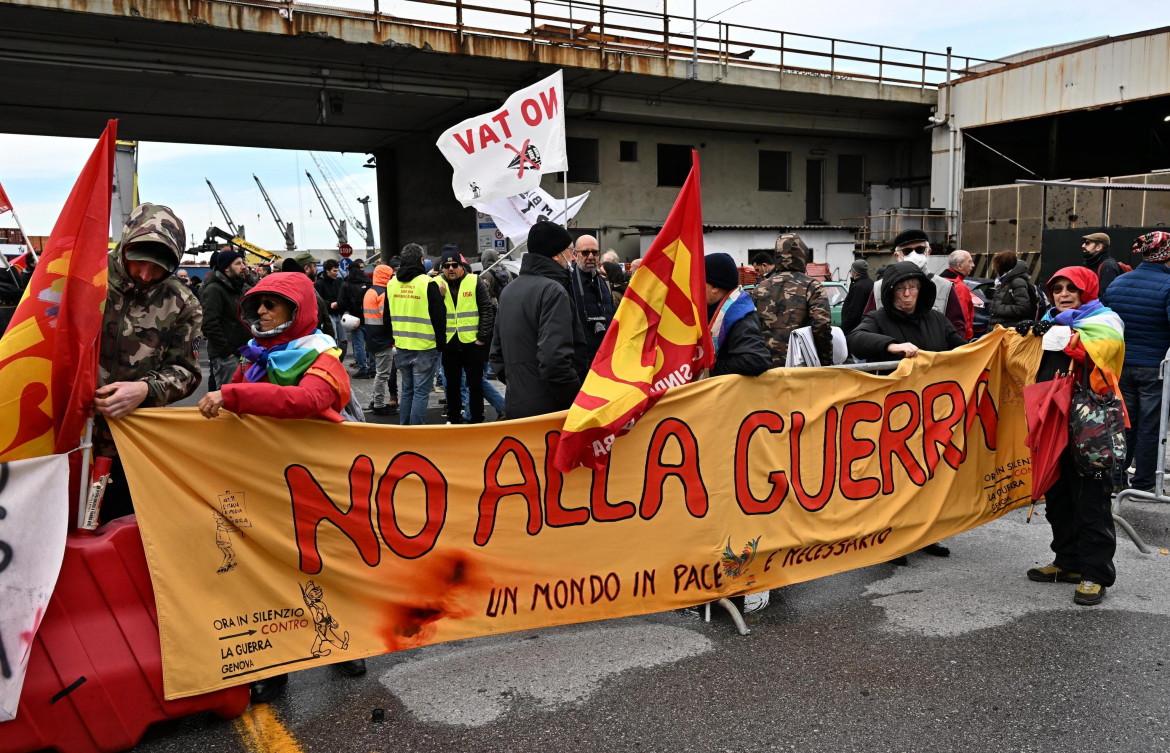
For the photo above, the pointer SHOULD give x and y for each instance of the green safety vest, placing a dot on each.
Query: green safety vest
(463, 314)
(410, 317)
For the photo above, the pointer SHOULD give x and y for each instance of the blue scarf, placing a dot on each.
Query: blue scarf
(734, 307)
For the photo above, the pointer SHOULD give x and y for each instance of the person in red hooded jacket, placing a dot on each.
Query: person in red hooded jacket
(290, 369)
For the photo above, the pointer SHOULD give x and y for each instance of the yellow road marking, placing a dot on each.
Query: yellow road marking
(261, 731)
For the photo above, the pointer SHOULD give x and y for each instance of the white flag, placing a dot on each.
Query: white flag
(34, 496)
(516, 215)
(505, 152)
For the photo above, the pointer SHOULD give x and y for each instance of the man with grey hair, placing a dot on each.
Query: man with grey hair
(961, 265)
(592, 297)
(610, 256)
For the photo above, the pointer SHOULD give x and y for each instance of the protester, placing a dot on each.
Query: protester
(536, 333)
(350, 299)
(788, 299)
(146, 352)
(290, 369)
(764, 265)
(328, 286)
(184, 277)
(225, 333)
(304, 263)
(1014, 299)
(470, 316)
(495, 276)
(12, 285)
(1095, 251)
(735, 327)
(418, 318)
(592, 297)
(379, 343)
(610, 257)
(1142, 299)
(860, 289)
(905, 324)
(634, 267)
(617, 280)
(912, 245)
(961, 265)
(1078, 506)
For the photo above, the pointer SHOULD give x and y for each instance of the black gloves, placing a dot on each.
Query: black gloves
(1036, 328)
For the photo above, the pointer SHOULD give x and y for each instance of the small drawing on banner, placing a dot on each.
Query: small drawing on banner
(324, 624)
(475, 192)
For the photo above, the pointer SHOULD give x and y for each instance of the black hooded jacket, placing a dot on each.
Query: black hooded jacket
(534, 340)
(925, 328)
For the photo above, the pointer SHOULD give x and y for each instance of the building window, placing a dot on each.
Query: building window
(583, 161)
(774, 171)
(627, 151)
(674, 164)
(850, 173)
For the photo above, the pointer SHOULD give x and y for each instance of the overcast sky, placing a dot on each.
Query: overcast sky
(38, 172)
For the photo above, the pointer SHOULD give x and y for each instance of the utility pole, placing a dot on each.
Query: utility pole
(286, 228)
(237, 230)
(338, 227)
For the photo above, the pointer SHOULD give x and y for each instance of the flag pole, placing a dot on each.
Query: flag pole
(27, 240)
(86, 520)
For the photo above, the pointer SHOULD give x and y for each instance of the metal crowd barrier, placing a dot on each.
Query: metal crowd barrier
(1159, 492)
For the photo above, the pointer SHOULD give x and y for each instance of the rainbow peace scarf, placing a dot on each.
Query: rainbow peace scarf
(1102, 336)
(286, 363)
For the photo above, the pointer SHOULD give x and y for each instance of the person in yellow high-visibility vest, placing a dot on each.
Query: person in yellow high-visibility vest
(470, 316)
(418, 318)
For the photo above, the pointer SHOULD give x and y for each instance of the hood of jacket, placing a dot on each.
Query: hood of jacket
(900, 272)
(535, 264)
(791, 257)
(1082, 277)
(383, 273)
(1020, 270)
(148, 223)
(294, 287)
(410, 270)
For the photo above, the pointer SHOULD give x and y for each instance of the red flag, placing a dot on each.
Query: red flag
(5, 204)
(20, 263)
(659, 338)
(48, 354)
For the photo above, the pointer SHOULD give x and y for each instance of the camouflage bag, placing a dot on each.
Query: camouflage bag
(1096, 426)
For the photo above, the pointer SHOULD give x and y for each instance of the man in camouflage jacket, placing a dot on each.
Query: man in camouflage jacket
(146, 355)
(789, 299)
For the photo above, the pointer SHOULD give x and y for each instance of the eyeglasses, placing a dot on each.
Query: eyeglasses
(905, 287)
(588, 252)
(1061, 287)
(452, 265)
(268, 303)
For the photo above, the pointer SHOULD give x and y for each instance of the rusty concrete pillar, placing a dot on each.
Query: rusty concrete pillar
(387, 161)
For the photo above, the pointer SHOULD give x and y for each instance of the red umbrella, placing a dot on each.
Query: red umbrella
(1046, 405)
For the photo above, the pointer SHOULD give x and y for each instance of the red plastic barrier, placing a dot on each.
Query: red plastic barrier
(94, 681)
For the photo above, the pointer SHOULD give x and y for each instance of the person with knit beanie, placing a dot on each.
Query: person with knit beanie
(735, 327)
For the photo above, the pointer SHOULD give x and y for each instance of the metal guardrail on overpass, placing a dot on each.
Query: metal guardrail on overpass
(623, 31)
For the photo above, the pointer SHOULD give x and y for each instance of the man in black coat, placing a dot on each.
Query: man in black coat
(350, 300)
(1095, 251)
(224, 331)
(860, 289)
(905, 324)
(735, 326)
(536, 333)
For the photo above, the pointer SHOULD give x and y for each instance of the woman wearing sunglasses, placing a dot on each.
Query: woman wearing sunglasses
(1078, 506)
(290, 369)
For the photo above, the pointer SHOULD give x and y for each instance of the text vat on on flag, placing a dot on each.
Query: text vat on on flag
(658, 339)
(505, 152)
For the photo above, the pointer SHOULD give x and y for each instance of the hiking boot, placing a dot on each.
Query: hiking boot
(936, 550)
(355, 668)
(1053, 574)
(381, 410)
(1088, 593)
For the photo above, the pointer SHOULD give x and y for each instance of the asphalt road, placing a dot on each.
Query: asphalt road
(957, 654)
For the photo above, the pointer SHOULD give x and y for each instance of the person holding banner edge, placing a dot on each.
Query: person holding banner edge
(290, 369)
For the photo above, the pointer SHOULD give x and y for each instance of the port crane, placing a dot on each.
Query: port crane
(338, 227)
(365, 230)
(236, 230)
(286, 228)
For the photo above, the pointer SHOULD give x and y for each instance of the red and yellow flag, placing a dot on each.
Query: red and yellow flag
(48, 354)
(20, 263)
(658, 339)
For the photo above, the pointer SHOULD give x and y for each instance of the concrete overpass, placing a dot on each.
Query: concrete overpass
(275, 74)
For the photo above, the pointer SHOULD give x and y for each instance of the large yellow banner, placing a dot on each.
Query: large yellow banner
(278, 545)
